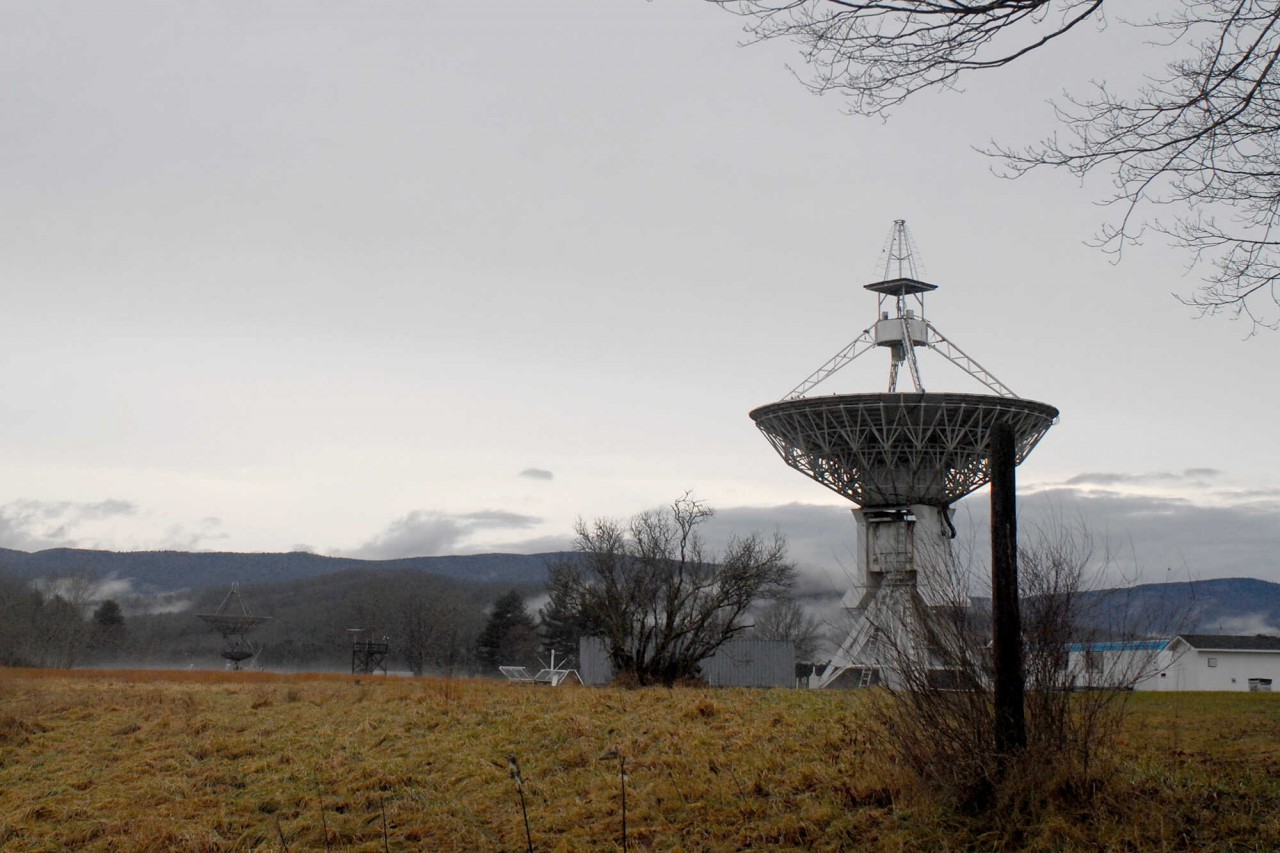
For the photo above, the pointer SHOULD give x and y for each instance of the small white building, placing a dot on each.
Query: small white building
(1120, 664)
(1188, 662)
(1218, 662)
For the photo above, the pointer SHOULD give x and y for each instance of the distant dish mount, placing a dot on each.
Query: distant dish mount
(233, 621)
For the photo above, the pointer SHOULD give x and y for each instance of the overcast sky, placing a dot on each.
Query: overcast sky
(401, 278)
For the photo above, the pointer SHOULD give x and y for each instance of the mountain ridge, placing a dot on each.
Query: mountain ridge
(157, 572)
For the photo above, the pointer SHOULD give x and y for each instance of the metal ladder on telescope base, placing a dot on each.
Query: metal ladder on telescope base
(869, 654)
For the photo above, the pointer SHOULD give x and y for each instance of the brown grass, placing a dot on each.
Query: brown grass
(221, 761)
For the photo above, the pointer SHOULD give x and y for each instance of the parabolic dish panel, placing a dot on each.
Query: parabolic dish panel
(899, 449)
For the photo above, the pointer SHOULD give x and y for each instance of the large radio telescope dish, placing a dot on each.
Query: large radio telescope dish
(233, 621)
(904, 457)
(899, 449)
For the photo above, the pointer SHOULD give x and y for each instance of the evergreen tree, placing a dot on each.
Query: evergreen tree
(565, 618)
(510, 637)
(108, 615)
(108, 628)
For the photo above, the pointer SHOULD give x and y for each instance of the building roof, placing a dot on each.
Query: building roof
(1120, 646)
(1231, 643)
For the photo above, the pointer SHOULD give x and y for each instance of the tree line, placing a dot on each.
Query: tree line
(432, 623)
(649, 587)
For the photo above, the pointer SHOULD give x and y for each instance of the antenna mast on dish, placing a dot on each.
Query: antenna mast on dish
(901, 326)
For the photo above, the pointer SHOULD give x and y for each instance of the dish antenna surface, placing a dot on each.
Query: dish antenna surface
(904, 457)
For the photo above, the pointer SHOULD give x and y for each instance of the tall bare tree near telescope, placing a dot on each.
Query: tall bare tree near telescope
(660, 600)
(1201, 138)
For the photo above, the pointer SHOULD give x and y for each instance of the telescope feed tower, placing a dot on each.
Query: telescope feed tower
(904, 458)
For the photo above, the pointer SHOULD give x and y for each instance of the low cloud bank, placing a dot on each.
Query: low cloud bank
(424, 533)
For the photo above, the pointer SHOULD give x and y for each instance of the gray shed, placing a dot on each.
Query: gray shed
(738, 663)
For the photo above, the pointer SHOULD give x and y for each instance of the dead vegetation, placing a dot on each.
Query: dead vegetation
(214, 762)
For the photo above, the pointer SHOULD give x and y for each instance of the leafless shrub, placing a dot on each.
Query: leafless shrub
(938, 712)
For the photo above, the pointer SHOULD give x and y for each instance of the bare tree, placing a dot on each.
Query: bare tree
(434, 629)
(661, 602)
(61, 631)
(786, 620)
(1199, 139)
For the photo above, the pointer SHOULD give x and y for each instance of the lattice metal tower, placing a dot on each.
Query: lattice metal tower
(367, 654)
(904, 457)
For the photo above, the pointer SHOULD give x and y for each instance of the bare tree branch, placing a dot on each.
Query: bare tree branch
(1198, 139)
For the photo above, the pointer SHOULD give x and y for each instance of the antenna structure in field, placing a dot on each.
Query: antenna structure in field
(368, 655)
(903, 457)
(233, 621)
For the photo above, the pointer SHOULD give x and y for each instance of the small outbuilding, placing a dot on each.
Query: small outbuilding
(738, 663)
(1187, 662)
(1218, 662)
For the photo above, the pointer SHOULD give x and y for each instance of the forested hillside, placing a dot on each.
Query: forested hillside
(152, 572)
(431, 622)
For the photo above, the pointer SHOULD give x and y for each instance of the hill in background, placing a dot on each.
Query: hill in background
(432, 608)
(151, 573)
(1220, 606)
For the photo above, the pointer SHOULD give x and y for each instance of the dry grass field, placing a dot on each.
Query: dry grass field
(228, 761)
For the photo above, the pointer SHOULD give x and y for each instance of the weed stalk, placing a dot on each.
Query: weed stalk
(519, 780)
(284, 845)
(622, 780)
(386, 843)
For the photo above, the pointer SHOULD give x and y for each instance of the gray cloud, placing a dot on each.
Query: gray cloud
(821, 540)
(537, 474)
(497, 518)
(1251, 495)
(423, 533)
(85, 590)
(1139, 537)
(1153, 537)
(182, 537)
(1100, 478)
(1189, 476)
(1247, 624)
(532, 545)
(34, 525)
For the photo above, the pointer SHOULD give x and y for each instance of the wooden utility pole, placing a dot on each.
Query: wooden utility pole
(1006, 618)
